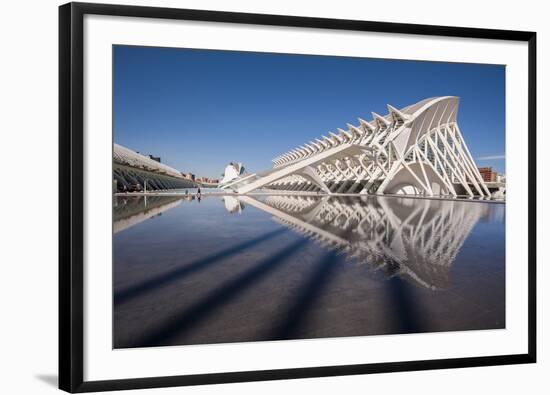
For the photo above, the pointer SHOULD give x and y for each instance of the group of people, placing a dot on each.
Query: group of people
(198, 193)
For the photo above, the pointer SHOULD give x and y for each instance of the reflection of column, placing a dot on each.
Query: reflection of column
(421, 238)
(291, 219)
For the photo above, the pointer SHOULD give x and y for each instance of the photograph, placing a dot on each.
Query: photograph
(268, 196)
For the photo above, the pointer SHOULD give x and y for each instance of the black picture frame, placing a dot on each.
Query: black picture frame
(71, 204)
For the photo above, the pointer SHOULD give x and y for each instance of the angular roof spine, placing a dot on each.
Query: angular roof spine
(395, 112)
(316, 145)
(337, 138)
(355, 130)
(329, 142)
(366, 125)
(347, 136)
(294, 154)
(380, 120)
(300, 152)
(323, 144)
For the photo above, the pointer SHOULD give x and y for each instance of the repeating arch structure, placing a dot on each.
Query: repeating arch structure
(416, 150)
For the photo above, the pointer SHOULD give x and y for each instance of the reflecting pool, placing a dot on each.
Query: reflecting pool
(271, 267)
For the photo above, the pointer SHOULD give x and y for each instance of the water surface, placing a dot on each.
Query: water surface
(255, 268)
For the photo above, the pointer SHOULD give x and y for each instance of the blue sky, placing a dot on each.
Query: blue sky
(200, 109)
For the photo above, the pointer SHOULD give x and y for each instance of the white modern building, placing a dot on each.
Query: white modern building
(133, 171)
(416, 150)
(232, 171)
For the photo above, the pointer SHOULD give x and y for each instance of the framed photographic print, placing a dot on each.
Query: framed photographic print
(256, 197)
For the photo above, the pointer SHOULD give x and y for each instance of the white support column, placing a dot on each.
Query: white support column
(309, 172)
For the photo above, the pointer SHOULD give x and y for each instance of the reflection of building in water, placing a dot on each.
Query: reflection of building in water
(416, 239)
(233, 205)
(130, 211)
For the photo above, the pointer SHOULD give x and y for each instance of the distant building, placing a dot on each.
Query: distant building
(207, 180)
(488, 174)
(232, 171)
(189, 176)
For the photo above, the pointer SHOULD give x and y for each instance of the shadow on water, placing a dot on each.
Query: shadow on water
(194, 267)
(406, 310)
(201, 310)
(408, 247)
(297, 315)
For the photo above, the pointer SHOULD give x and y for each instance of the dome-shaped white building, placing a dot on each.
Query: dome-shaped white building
(232, 171)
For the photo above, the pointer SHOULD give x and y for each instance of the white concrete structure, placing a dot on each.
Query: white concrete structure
(232, 171)
(125, 156)
(417, 150)
(133, 171)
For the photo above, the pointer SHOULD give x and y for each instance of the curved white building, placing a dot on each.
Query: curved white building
(232, 171)
(135, 172)
(126, 156)
(416, 150)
